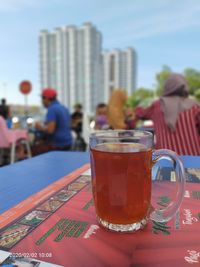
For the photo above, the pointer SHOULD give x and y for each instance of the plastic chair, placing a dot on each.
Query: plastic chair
(10, 137)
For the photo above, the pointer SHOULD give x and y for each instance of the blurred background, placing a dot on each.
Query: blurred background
(86, 49)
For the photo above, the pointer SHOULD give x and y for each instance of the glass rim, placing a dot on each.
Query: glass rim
(110, 134)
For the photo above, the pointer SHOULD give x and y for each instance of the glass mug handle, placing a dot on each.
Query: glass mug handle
(165, 214)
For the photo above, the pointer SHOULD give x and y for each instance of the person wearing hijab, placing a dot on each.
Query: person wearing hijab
(175, 117)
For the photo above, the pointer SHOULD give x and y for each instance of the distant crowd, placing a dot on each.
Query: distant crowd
(175, 120)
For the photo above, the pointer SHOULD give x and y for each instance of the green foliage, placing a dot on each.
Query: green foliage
(142, 96)
(197, 94)
(161, 77)
(191, 75)
(193, 78)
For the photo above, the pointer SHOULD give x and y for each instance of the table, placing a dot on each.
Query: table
(66, 232)
(22, 179)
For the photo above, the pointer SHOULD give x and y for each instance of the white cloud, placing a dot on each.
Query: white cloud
(153, 20)
(165, 22)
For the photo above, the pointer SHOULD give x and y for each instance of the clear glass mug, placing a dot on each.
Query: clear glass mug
(121, 167)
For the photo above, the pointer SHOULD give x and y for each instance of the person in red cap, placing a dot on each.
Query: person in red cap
(49, 93)
(56, 131)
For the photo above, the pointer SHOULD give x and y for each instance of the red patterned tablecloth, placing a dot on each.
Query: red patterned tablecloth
(58, 225)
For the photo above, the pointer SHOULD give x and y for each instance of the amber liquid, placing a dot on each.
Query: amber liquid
(121, 179)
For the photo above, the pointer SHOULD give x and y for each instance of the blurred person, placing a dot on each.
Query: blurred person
(4, 109)
(120, 116)
(130, 118)
(77, 129)
(101, 122)
(116, 104)
(176, 118)
(77, 119)
(5, 112)
(55, 133)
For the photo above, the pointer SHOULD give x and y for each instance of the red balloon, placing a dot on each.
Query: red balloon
(25, 87)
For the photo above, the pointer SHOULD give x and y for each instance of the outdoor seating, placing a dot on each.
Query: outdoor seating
(9, 138)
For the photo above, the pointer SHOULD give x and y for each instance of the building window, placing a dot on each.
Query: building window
(111, 88)
(112, 68)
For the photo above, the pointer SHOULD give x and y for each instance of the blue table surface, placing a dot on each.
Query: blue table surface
(23, 179)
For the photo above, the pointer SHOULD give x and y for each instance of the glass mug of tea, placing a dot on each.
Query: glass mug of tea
(121, 168)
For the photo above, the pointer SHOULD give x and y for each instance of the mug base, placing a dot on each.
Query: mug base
(123, 228)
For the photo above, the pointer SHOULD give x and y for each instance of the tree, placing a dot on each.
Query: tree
(193, 78)
(161, 77)
(197, 94)
(142, 96)
(191, 75)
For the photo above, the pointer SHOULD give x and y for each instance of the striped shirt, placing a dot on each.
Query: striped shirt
(185, 140)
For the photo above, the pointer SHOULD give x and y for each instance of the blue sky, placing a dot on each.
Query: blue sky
(163, 32)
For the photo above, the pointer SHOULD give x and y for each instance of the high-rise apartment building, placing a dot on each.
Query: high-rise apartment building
(70, 61)
(119, 71)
